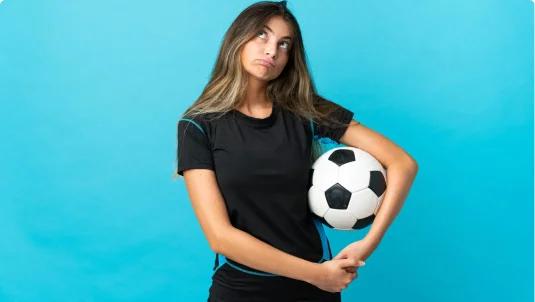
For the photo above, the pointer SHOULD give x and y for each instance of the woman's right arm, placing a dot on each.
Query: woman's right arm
(209, 207)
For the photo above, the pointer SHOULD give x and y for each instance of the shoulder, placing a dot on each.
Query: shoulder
(326, 106)
(204, 122)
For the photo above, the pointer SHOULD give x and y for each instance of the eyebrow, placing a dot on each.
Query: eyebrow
(285, 37)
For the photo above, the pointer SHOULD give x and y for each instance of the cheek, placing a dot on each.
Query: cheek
(243, 56)
(248, 52)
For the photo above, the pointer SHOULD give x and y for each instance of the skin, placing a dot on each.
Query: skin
(401, 171)
(209, 205)
(271, 43)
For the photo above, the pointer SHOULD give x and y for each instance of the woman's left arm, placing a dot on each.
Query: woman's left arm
(401, 171)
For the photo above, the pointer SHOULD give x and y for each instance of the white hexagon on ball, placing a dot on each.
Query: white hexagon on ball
(318, 204)
(325, 174)
(354, 176)
(361, 202)
(339, 219)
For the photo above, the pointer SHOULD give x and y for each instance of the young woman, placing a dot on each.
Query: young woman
(245, 148)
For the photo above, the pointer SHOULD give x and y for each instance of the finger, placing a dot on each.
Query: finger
(348, 262)
(350, 269)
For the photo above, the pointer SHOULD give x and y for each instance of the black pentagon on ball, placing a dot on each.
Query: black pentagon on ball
(342, 156)
(337, 197)
(377, 183)
(364, 222)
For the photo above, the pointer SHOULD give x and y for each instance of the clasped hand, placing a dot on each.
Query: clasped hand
(359, 251)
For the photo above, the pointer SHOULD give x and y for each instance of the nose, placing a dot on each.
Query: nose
(271, 49)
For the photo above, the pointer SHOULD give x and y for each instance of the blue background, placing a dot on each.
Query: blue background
(91, 92)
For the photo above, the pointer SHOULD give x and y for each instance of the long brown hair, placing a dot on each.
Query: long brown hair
(293, 89)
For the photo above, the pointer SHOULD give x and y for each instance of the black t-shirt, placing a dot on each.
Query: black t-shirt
(262, 167)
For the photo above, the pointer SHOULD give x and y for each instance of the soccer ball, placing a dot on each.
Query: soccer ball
(347, 188)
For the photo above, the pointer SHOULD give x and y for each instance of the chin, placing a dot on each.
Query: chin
(261, 77)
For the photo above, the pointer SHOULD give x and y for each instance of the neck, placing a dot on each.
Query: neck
(256, 94)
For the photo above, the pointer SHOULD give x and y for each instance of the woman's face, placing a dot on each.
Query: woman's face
(265, 55)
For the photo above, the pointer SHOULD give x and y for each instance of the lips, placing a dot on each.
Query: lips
(266, 63)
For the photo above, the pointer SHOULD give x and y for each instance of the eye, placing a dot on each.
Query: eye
(286, 43)
(261, 32)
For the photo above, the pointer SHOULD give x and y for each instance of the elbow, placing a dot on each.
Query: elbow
(214, 246)
(414, 166)
(213, 243)
(217, 244)
(410, 164)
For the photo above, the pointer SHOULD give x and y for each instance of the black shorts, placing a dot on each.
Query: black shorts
(232, 285)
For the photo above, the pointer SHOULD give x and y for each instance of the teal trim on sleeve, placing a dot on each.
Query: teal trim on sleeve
(194, 123)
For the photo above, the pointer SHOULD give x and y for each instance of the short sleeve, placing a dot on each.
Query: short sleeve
(339, 114)
(193, 146)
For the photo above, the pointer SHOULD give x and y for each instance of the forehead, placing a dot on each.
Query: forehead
(279, 26)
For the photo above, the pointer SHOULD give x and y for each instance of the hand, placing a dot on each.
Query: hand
(359, 250)
(332, 275)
